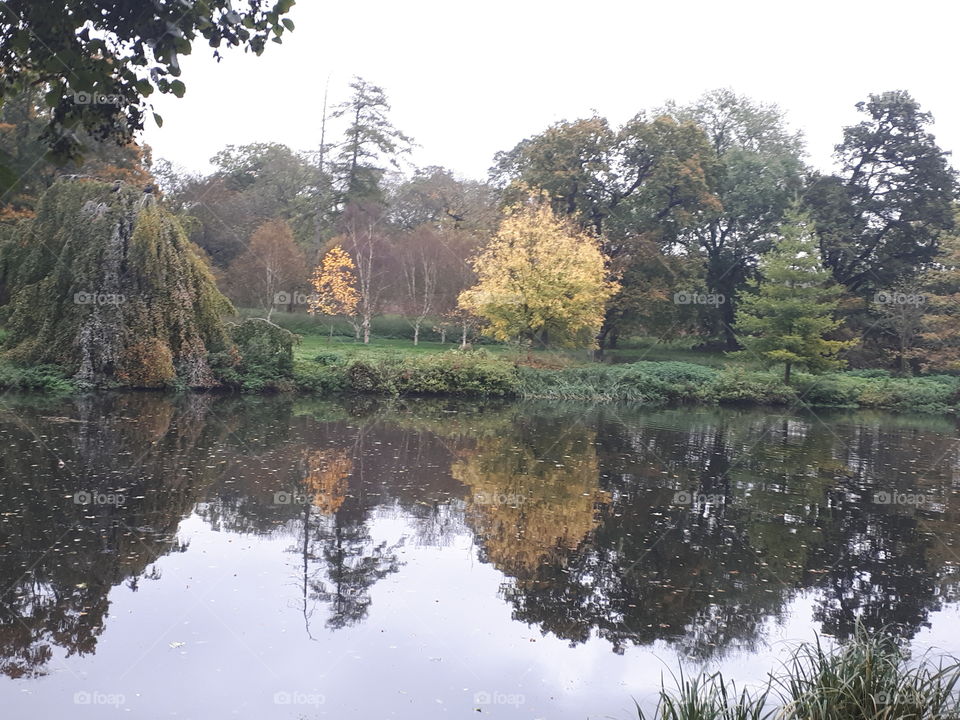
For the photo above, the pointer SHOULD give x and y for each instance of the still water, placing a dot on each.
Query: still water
(208, 557)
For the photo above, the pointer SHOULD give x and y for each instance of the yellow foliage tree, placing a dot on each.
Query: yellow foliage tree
(540, 280)
(334, 285)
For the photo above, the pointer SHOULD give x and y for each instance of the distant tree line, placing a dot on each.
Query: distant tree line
(683, 205)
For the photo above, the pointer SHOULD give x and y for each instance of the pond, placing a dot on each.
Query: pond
(216, 557)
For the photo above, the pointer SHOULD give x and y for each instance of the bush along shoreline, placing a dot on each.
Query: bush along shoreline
(270, 368)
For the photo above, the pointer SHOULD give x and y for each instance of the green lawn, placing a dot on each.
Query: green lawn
(392, 335)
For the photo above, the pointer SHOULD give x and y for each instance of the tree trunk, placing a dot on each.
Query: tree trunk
(443, 336)
(416, 334)
(366, 329)
(463, 338)
(786, 374)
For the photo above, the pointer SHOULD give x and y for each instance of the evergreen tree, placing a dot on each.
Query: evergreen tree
(370, 141)
(785, 319)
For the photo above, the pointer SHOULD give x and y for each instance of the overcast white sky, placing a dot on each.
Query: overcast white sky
(466, 80)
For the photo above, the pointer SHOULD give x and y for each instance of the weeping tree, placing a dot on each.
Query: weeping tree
(109, 288)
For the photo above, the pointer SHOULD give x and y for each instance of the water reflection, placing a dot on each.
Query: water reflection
(696, 527)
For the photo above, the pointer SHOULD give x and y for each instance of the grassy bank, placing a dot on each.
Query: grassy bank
(482, 373)
(869, 678)
(643, 374)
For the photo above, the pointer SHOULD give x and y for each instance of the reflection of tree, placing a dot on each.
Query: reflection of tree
(532, 502)
(353, 565)
(337, 536)
(58, 559)
(772, 511)
(326, 478)
(577, 510)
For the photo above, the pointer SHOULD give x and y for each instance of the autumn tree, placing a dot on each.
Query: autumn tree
(333, 281)
(251, 184)
(646, 181)
(540, 280)
(22, 148)
(270, 270)
(784, 319)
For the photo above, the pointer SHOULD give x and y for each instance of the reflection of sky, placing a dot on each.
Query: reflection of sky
(437, 633)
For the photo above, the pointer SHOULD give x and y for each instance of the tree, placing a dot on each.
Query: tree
(333, 281)
(419, 253)
(370, 141)
(436, 197)
(541, 280)
(115, 292)
(645, 182)
(902, 312)
(271, 269)
(22, 122)
(756, 172)
(251, 185)
(785, 318)
(879, 220)
(99, 59)
(940, 335)
(365, 239)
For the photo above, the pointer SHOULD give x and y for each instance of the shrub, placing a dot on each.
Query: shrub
(642, 382)
(319, 379)
(455, 372)
(44, 378)
(736, 387)
(868, 373)
(839, 390)
(266, 356)
(907, 394)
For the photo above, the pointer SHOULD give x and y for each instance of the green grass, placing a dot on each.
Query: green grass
(869, 678)
(644, 373)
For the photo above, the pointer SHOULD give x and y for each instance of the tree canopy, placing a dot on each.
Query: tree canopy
(99, 60)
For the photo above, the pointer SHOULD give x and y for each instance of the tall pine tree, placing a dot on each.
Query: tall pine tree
(785, 318)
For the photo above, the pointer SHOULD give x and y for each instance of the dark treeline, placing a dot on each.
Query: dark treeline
(684, 199)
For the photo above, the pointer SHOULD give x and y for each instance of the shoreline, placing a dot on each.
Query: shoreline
(481, 374)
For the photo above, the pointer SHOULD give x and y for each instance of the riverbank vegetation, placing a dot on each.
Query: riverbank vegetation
(868, 678)
(648, 263)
